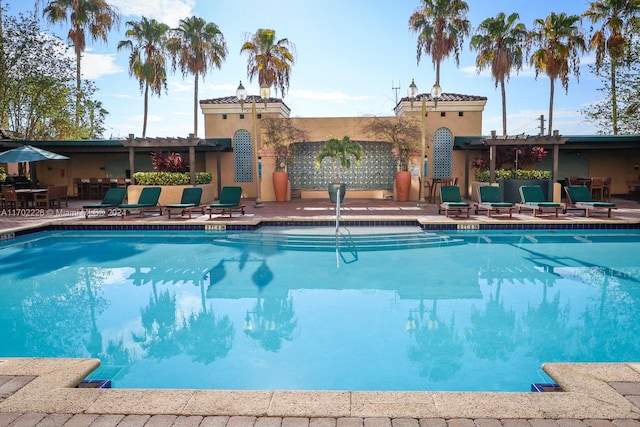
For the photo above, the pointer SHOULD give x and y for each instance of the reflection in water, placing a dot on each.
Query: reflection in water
(438, 349)
(270, 321)
(442, 317)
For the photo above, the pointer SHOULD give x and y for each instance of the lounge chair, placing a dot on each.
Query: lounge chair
(533, 199)
(148, 201)
(451, 201)
(579, 197)
(228, 202)
(189, 201)
(112, 199)
(489, 199)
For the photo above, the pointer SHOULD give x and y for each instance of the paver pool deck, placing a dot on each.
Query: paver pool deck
(43, 392)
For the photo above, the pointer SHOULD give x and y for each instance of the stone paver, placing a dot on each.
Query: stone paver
(488, 422)
(188, 421)
(350, 422)
(107, 420)
(219, 421)
(269, 422)
(460, 422)
(322, 422)
(404, 422)
(81, 420)
(377, 422)
(241, 421)
(295, 422)
(543, 423)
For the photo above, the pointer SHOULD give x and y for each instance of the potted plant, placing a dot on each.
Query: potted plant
(404, 135)
(341, 152)
(278, 134)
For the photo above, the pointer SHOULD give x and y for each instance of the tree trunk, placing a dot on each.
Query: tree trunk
(195, 105)
(614, 97)
(503, 93)
(78, 82)
(146, 109)
(551, 92)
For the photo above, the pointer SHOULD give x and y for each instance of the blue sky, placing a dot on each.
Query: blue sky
(350, 54)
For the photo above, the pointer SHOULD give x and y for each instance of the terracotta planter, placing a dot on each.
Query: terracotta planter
(280, 184)
(403, 185)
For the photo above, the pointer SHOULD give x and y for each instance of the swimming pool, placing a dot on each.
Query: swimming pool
(468, 311)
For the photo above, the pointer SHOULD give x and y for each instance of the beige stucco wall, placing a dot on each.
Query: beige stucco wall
(223, 121)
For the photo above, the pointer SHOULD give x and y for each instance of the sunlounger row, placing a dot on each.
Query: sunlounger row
(532, 199)
(190, 201)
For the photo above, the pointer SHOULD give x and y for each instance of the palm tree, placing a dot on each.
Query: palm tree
(441, 26)
(95, 17)
(559, 41)
(270, 59)
(148, 57)
(610, 39)
(195, 46)
(500, 44)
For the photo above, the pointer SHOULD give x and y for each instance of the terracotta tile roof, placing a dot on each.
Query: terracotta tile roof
(234, 100)
(449, 97)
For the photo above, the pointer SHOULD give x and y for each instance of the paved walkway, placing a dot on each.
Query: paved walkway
(615, 392)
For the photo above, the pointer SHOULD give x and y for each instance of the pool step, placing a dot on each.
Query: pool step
(330, 241)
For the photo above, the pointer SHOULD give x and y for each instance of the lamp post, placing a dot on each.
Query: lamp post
(436, 93)
(265, 93)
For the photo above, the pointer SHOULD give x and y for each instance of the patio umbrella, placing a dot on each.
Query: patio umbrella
(28, 153)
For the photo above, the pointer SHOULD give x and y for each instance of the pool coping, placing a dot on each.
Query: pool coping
(589, 393)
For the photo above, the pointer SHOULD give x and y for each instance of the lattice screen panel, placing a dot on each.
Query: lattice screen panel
(442, 152)
(242, 156)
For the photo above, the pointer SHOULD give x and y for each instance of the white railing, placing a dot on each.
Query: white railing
(338, 211)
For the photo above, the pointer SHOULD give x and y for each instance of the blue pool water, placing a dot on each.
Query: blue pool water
(476, 311)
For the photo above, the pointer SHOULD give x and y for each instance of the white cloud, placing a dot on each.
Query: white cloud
(96, 65)
(169, 12)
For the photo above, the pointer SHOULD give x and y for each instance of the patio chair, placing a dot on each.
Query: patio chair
(113, 199)
(489, 199)
(579, 197)
(451, 201)
(148, 201)
(10, 197)
(533, 199)
(228, 202)
(189, 201)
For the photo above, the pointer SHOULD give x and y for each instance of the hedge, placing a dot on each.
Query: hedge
(171, 178)
(483, 176)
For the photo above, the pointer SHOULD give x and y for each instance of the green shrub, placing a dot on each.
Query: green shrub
(483, 176)
(3, 175)
(170, 178)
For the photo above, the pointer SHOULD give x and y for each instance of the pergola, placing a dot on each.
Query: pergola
(494, 141)
(163, 143)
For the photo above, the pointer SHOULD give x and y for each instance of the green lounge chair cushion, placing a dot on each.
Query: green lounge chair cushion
(190, 197)
(532, 195)
(455, 204)
(543, 204)
(112, 198)
(148, 198)
(489, 196)
(580, 195)
(229, 198)
(597, 204)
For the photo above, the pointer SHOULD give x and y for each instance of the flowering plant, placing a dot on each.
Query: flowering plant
(508, 156)
(169, 163)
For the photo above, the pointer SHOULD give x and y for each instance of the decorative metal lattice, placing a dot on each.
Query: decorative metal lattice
(377, 170)
(242, 156)
(442, 153)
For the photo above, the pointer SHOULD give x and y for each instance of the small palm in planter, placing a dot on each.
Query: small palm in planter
(341, 151)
